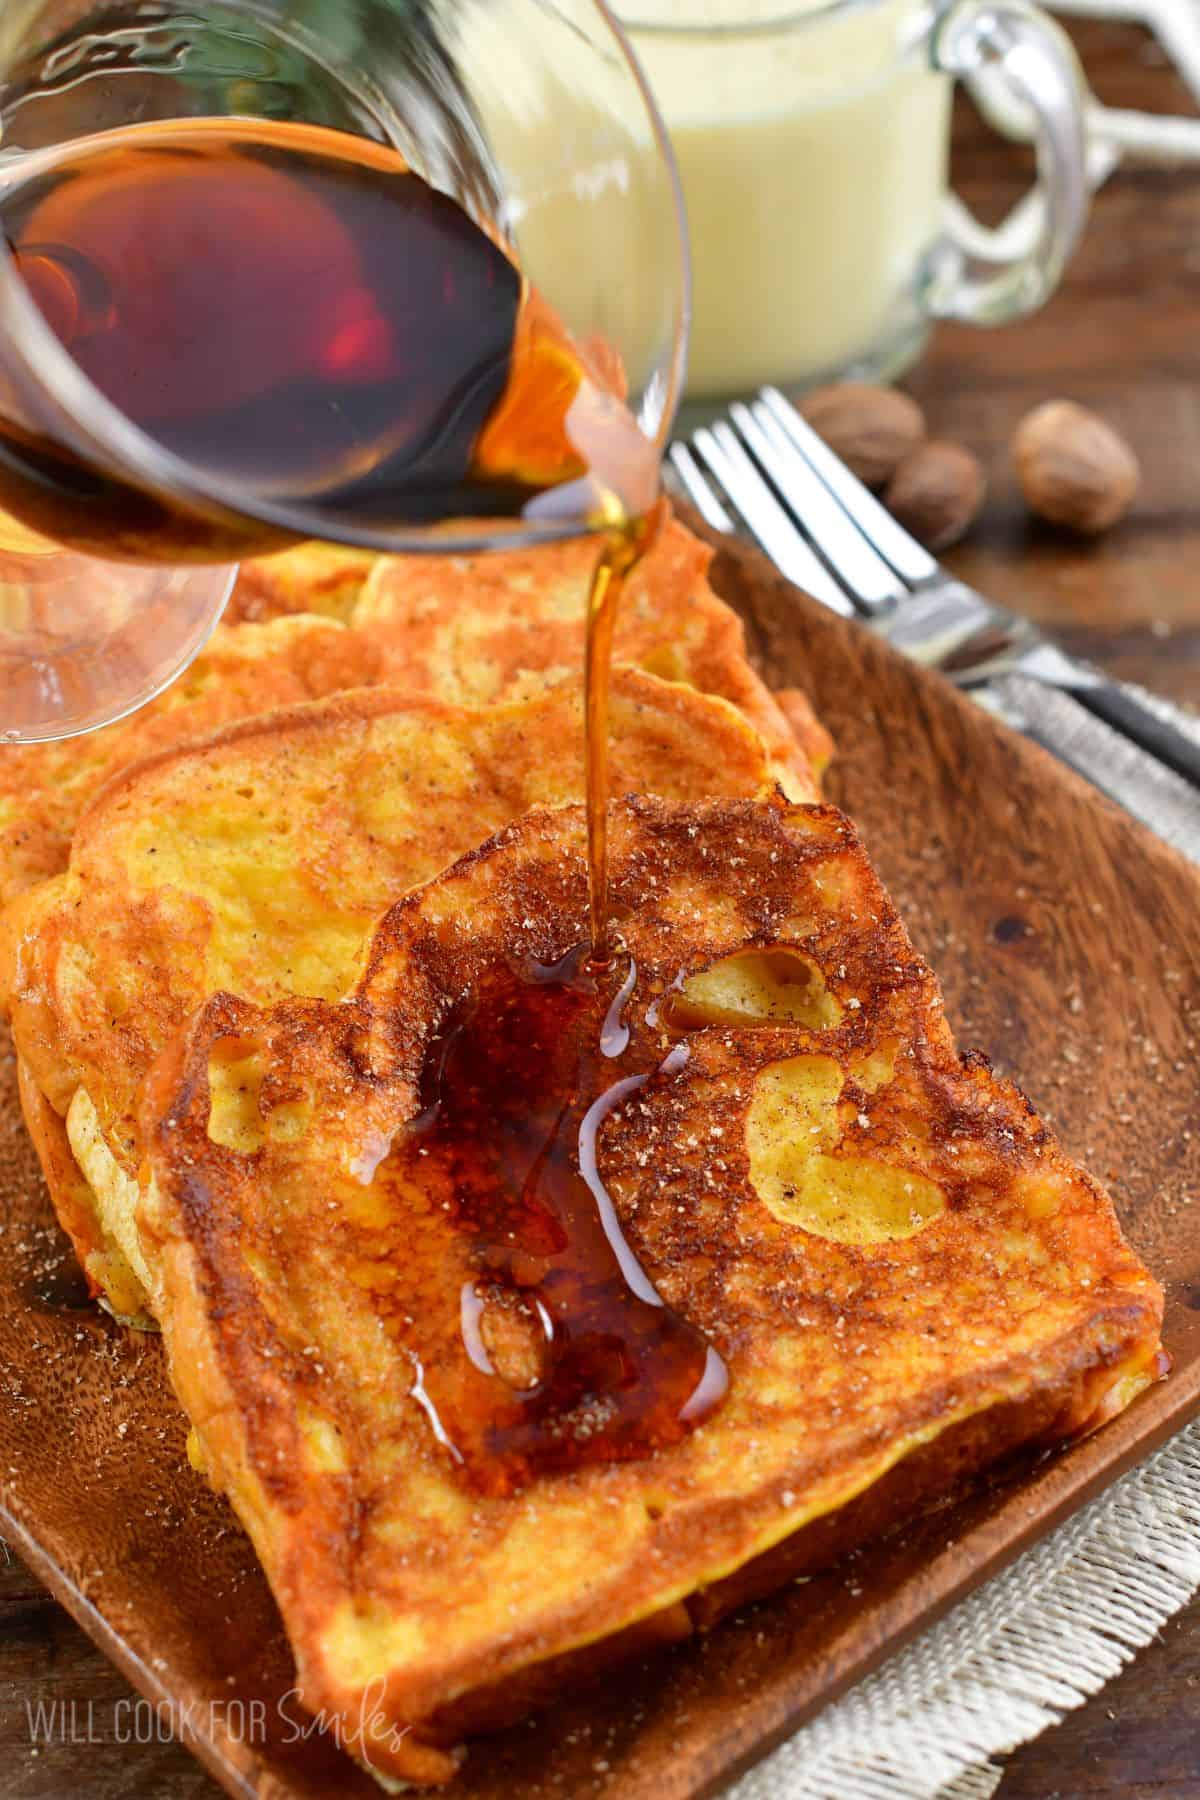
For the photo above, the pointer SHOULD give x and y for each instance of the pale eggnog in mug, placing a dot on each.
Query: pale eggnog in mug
(812, 143)
(814, 170)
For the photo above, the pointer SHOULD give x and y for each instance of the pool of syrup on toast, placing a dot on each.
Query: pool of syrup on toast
(385, 365)
(569, 1356)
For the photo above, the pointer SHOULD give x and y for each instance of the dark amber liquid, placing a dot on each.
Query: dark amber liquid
(300, 319)
(569, 1355)
(623, 550)
(305, 323)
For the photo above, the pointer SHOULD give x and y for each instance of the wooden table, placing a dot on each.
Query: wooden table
(1123, 336)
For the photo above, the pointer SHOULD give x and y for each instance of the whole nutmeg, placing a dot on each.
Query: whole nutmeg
(936, 492)
(872, 429)
(1073, 468)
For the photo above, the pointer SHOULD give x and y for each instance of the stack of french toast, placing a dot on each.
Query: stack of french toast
(240, 927)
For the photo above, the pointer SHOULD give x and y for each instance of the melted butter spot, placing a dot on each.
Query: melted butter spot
(792, 1128)
(875, 1069)
(854, 1200)
(235, 1074)
(794, 1101)
(777, 986)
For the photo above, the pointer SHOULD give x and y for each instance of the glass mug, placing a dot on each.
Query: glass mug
(533, 117)
(813, 145)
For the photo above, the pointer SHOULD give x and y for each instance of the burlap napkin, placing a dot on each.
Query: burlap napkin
(1043, 1637)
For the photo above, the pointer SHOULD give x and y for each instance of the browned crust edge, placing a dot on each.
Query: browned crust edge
(924, 1477)
(1116, 1339)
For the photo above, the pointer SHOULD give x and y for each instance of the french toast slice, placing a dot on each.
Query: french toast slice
(478, 629)
(258, 860)
(377, 1282)
(243, 670)
(327, 579)
(290, 653)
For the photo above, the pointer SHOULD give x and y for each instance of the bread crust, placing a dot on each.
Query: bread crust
(867, 1366)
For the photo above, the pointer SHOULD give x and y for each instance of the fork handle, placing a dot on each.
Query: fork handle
(1120, 705)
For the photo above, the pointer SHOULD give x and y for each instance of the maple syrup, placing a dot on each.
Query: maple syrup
(623, 550)
(303, 322)
(569, 1356)
(297, 317)
(306, 325)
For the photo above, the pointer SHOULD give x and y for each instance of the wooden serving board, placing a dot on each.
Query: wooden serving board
(1066, 939)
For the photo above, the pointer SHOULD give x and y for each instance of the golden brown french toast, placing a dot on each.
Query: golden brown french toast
(498, 626)
(529, 1313)
(521, 598)
(259, 860)
(243, 670)
(312, 578)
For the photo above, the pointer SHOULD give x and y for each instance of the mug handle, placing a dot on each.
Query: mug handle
(1026, 55)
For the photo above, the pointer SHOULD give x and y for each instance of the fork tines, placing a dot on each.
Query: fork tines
(815, 519)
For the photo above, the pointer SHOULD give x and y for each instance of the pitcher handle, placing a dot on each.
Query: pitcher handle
(1027, 54)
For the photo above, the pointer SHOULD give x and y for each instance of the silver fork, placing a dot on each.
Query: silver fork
(829, 534)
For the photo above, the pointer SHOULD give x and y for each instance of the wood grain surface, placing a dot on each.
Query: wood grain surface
(1059, 934)
(1065, 935)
